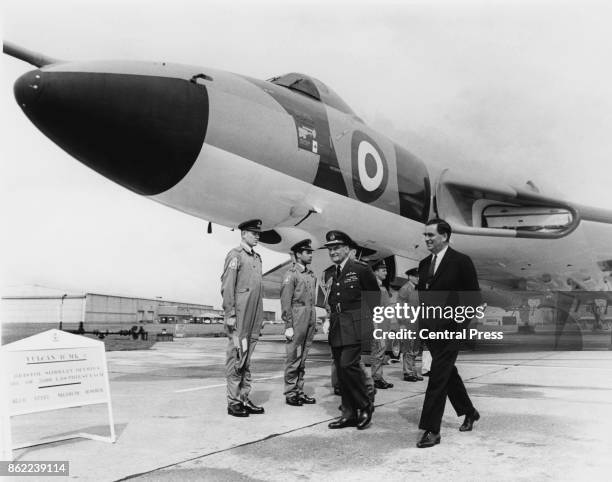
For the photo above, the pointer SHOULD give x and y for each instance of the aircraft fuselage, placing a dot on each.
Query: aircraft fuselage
(226, 148)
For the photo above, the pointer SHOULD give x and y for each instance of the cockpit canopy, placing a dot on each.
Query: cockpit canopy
(312, 88)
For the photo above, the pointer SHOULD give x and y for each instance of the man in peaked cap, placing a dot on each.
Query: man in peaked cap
(298, 298)
(410, 348)
(352, 293)
(379, 347)
(242, 292)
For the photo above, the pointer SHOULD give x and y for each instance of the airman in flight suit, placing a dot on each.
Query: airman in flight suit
(242, 292)
(299, 314)
(379, 346)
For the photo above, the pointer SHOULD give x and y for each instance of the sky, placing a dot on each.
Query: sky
(516, 90)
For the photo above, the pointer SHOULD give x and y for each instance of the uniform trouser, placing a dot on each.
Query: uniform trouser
(351, 379)
(367, 378)
(409, 350)
(238, 381)
(377, 358)
(295, 364)
(444, 380)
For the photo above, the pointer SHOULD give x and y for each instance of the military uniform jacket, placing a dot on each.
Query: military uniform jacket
(242, 291)
(297, 297)
(351, 299)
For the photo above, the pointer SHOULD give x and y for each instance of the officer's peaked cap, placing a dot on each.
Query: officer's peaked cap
(380, 264)
(252, 225)
(304, 245)
(334, 238)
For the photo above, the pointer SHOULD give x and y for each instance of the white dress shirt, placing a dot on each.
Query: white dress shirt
(439, 257)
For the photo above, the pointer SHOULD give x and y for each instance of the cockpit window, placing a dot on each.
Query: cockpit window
(296, 82)
(312, 88)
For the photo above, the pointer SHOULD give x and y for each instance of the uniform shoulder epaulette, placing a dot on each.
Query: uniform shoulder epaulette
(234, 251)
(288, 275)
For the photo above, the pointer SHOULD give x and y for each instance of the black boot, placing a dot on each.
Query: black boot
(237, 410)
(250, 407)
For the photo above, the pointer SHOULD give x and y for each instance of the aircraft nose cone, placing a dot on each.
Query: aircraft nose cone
(142, 131)
(27, 88)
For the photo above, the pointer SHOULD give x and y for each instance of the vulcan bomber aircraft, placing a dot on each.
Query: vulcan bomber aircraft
(227, 147)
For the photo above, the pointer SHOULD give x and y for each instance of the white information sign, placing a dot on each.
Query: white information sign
(54, 370)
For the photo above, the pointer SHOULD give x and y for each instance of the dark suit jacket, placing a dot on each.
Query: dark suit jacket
(351, 300)
(454, 284)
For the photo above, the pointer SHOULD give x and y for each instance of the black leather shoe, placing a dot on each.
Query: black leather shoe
(425, 374)
(342, 423)
(382, 384)
(252, 408)
(337, 391)
(342, 410)
(295, 401)
(411, 378)
(307, 400)
(429, 439)
(237, 410)
(365, 417)
(468, 423)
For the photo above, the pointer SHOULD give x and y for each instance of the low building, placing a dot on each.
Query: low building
(173, 313)
(46, 305)
(37, 304)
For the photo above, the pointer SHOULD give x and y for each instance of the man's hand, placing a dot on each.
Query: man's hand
(230, 323)
(289, 333)
(326, 327)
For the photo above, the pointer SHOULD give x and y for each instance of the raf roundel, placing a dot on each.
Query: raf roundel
(370, 170)
(364, 150)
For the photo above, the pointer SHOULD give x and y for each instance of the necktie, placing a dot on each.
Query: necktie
(432, 269)
(337, 272)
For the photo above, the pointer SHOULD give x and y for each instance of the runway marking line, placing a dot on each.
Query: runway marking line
(194, 389)
(218, 385)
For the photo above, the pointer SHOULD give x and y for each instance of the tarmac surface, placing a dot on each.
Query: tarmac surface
(544, 416)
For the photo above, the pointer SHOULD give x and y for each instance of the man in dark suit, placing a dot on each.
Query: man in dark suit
(352, 292)
(447, 278)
